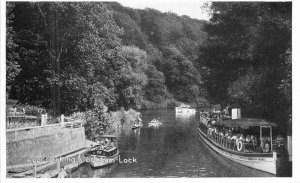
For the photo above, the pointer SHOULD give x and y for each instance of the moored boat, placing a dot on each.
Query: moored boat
(104, 153)
(155, 122)
(246, 141)
(184, 109)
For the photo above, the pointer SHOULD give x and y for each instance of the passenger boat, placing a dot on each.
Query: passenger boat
(155, 122)
(184, 109)
(104, 153)
(252, 152)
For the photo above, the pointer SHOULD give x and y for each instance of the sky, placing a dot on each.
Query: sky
(191, 8)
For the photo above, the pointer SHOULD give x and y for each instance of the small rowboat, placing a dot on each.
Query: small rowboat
(155, 122)
(134, 127)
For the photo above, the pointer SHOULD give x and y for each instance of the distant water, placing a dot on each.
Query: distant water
(172, 150)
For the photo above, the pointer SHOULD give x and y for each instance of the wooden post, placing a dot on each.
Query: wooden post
(62, 119)
(58, 165)
(275, 156)
(15, 111)
(289, 146)
(34, 170)
(271, 138)
(44, 118)
(260, 134)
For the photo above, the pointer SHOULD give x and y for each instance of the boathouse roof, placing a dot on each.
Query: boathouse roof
(245, 122)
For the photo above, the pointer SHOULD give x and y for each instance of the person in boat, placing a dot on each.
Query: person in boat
(247, 142)
(253, 142)
(226, 133)
(266, 147)
(234, 137)
(210, 131)
(229, 136)
(247, 139)
(260, 147)
(106, 141)
(241, 138)
(221, 134)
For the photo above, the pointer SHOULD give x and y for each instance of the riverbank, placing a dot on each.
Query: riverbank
(119, 118)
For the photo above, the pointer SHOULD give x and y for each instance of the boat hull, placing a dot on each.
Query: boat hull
(265, 163)
(156, 124)
(136, 127)
(100, 161)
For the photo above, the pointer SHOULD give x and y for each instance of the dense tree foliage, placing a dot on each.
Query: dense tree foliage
(78, 56)
(12, 66)
(133, 77)
(172, 44)
(70, 53)
(247, 55)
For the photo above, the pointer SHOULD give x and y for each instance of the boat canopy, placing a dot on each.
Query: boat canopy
(245, 122)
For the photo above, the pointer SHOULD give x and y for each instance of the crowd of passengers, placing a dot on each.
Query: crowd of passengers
(250, 143)
(216, 114)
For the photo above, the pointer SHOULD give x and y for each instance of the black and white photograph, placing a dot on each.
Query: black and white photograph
(147, 89)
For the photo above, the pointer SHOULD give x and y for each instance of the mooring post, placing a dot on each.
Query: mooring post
(78, 159)
(44, 119)
(62, 119)
(289, 146)
(34, 170)
(58, 165)
(275, 156)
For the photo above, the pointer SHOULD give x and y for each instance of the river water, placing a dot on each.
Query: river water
(171, 150)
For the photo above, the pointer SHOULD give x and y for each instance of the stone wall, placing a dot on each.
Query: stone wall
(25, 145)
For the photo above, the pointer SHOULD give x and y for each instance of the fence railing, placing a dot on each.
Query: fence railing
(249, 147)
(24, 121)
(17, 134)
